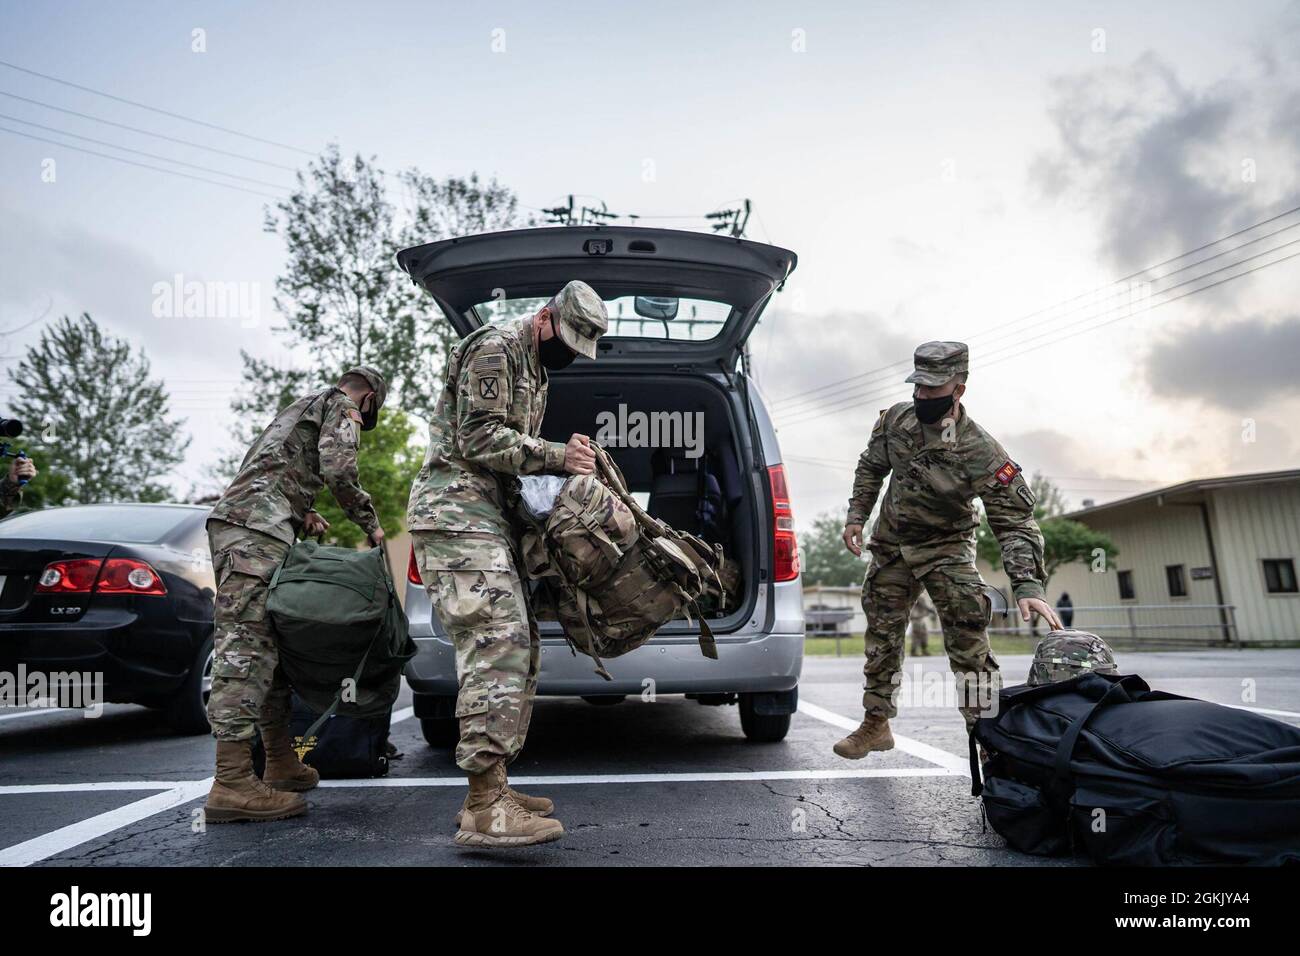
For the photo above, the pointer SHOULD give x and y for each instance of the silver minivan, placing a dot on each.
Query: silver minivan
(671, 399)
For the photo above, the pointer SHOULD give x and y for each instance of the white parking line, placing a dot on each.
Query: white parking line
(177, 793)
(42, 707)
(741, 776)
(1264, 710)
(65, 838)
(15, 789)
(909, 745)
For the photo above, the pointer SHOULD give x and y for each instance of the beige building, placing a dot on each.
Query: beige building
(1212, 559)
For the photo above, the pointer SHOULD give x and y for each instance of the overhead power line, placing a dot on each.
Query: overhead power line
(1016, 350)
(155, 109)
(785, 400)
(132, 162)
(140, 152)
(145, 132)
(793, 402)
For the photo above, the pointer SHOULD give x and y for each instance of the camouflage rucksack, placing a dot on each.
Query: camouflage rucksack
(1068, 653)
(614, 574)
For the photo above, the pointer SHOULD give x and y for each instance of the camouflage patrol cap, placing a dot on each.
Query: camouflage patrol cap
(1069, 653)
(580, 317)
(375, 380)
(937, 362)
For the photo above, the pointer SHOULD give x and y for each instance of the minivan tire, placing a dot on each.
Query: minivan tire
(440, 732)
(187, 710)
(762, 728)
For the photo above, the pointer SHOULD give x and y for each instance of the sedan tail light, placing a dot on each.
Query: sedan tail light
(128, 576)
(785, 547)
(76, 576)
(112, 576)
(413, 570)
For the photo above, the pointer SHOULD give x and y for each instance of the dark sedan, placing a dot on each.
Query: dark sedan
(123, 592)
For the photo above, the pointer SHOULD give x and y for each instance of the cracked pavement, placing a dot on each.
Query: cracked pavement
(880, 821)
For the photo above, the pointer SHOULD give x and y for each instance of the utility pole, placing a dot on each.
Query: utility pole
(561, 215)
(731, 221)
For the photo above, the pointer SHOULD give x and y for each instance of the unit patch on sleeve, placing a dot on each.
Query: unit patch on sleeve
(488, 380)
(1007, 473)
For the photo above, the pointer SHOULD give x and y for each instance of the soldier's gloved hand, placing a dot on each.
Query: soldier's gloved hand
(579, 459)
(853, 538)
(314, 524)
(376, 537)
(1042, 609)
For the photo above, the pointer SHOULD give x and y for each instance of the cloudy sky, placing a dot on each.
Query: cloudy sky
(978, 172)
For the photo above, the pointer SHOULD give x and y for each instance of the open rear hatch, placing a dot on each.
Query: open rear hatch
(721, 283)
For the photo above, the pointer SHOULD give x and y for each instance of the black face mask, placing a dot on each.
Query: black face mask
(930, 410)
(369, 419)
(554, 354)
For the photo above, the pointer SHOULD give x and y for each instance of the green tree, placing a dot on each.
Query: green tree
(388, 463)
(100, 426)
(823, 557)
(1064, 541)
(341, 293)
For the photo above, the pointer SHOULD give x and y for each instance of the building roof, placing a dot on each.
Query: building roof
(1193, 490)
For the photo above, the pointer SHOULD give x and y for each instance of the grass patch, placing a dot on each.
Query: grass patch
(851, 645)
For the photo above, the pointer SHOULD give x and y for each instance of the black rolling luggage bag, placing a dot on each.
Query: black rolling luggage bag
(1105, 767)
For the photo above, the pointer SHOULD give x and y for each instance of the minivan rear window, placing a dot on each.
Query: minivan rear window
(124, 524)
(697, 320)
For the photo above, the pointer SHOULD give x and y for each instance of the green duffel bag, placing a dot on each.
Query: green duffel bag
(340, 629)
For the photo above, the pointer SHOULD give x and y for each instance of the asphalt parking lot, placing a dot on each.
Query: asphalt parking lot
(663, 783)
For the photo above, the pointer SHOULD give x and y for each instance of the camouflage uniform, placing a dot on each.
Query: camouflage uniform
(921, 612)
(311, 444)
(11, 492)
(485, 430)
(925, 535)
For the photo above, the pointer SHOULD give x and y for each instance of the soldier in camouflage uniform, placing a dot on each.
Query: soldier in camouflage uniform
(1069, 653)
(920, 621)
(940, 461)
(311, 444)
(11, 488)
(484, 432)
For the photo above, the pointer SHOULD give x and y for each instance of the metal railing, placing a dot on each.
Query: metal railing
(1146, 624)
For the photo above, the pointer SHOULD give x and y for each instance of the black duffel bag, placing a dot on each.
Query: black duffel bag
(1103, 766)
(342, 747)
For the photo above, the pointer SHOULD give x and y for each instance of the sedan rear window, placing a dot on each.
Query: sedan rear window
(127, 524)
(635, 317)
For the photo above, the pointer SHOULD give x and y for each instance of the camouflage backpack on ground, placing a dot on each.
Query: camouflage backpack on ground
(1068, 653)
(615, 574)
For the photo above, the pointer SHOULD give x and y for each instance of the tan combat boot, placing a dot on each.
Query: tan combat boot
(284, 770)
(873, 734)
(541, 806)
(492, 818)
(237, 794)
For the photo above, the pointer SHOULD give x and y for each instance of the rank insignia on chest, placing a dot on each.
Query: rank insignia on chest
(1007, 473)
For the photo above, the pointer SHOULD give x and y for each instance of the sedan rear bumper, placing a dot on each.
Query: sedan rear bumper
(132, 658)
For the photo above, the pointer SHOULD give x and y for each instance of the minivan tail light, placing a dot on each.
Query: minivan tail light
(785, 547)
(413, 570)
